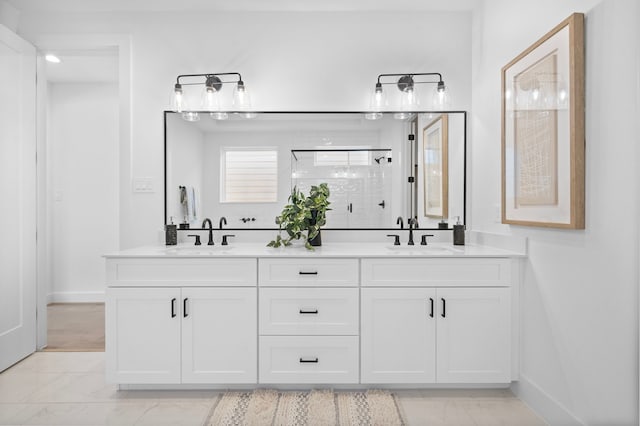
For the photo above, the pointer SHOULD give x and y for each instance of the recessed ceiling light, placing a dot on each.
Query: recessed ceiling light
(52, 58)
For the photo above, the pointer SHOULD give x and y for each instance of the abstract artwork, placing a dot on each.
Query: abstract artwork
(543, 131)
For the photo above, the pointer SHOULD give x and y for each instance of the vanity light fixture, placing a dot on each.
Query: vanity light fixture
(210, 99)
(408, 101)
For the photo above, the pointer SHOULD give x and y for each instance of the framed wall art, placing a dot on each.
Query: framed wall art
(435, 142)
(543, 131)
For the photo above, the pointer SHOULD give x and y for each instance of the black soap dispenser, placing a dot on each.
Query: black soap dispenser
(171, 234)
(458, 233)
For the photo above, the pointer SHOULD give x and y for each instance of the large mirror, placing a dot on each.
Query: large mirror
(243, 169)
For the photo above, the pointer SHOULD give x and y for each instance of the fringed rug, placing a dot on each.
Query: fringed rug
(265, 407)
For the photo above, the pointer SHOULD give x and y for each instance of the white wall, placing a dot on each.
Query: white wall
(289, 61)
(579, 360)
(83, 150)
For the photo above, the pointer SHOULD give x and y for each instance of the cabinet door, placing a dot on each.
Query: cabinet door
(143, 335)
(219, 335)
(398, 335)
(474, 335)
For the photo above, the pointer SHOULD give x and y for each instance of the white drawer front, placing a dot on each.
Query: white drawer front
(182, 272)
(308, 272)
(309, 311)
(308, 359)
(404, 272)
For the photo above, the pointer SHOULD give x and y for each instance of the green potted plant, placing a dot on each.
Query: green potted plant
(303, 217)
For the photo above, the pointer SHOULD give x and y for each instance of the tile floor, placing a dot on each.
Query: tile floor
(68, 388)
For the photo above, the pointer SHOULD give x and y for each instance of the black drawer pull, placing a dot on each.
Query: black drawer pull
(303, 311)
(184, 307)
(308, 272)
(431, 313)
(173, 307)
(444, 308)
(309, 360)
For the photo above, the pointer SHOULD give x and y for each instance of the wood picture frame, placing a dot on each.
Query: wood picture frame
(543, 136)
(435, 171)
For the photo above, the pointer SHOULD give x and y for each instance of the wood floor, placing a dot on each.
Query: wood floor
(75, 327)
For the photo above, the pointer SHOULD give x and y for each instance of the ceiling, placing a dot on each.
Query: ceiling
(84, 66)
(241, 5)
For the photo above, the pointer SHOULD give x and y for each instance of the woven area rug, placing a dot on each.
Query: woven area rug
(315, 408)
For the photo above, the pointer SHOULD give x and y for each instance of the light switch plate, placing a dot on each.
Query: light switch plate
(143, 185)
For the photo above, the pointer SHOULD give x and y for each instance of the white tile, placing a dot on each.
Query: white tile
(176, 413)
(75, 387)
(20, 387)
(435, 412)
(60, 362)
(501, 412)
(73, 414)
(16, 414)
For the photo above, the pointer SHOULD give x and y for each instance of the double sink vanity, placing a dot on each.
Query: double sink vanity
(346, 314)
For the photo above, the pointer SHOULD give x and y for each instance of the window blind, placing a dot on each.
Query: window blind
(249, 176)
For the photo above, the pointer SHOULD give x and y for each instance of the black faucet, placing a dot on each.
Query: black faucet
(204, 222)
(400, 222)
(413, 224)
(223, 220)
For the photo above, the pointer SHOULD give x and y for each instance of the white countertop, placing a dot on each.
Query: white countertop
(326, 250)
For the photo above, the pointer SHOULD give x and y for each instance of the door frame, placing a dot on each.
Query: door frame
(47, 43)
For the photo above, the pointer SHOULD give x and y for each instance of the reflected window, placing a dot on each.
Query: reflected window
(248, 175)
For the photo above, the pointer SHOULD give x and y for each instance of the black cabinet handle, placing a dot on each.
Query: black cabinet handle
(302, 311)
(444, 308)
(308, 272)
(309, 360)
(184, 307)
(431, 302)
(173, 307)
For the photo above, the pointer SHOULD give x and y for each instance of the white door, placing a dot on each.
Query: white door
(18, 195)
(474, 335)
(143, 335)
(219, 335)
(398, 335)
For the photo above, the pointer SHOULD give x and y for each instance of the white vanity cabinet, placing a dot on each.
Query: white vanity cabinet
(436, 328)
(159, 333)
(256, 316)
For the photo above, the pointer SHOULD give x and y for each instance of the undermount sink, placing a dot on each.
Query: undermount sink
(424, 249)
(198, 250)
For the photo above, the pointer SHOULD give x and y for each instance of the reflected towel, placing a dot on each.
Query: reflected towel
(188, 203)
(191, 204)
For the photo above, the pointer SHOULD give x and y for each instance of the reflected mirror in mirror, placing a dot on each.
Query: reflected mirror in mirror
(377, 170)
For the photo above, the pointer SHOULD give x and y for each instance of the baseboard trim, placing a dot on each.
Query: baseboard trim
(543, 404)
(76, 297)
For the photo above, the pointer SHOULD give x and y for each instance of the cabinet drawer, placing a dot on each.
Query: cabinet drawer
(308, 359)
(308, 272)
(309, 311)
(474, 272)
(181, 272)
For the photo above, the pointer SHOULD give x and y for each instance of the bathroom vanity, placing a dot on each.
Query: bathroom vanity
(345, 314)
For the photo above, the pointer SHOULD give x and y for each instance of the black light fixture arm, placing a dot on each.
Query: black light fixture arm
(208, 76)
(406, 82)
(411, 75)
